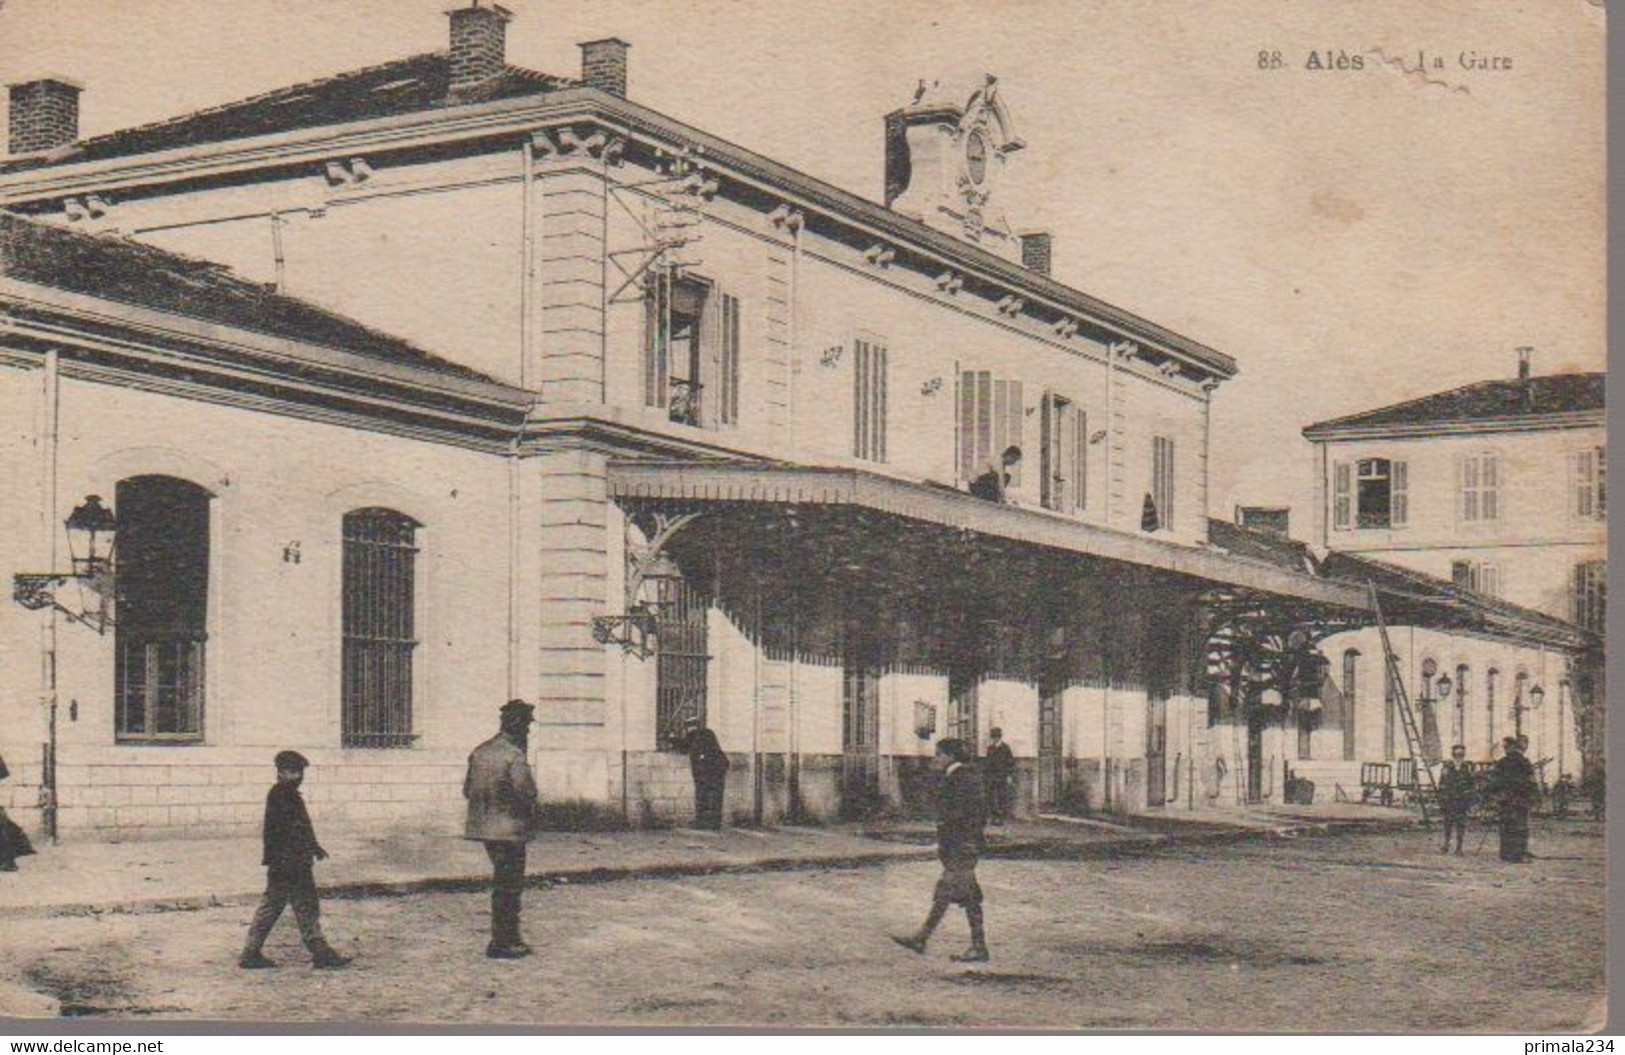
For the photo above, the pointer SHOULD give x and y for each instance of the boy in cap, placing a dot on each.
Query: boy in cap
(291, 851)
(502, 814)
(960, 842)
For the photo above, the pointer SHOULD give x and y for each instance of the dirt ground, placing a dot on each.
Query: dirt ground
(1340, 933)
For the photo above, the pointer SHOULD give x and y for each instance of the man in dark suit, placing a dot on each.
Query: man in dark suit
(708, 763)
(960, 842)
(1512, 780)
(999, 768)
(291, 851)
(1455, 796)
(502, 814)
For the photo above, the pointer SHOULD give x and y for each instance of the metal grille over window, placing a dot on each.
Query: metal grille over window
(380, 554)
(869, 402)
(161, 621)
(684, 652)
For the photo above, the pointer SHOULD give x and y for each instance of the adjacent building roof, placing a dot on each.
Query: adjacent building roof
(116, 269)
(1406, 596)
(409, 85)
(1482, 402)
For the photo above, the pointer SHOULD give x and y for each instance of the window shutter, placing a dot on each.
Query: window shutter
(1048, 449)
(1399, 504)
(654, 346)
(860, 411)
(1007, 424)
(881, 356)
(1341, 494)
(727, 401)
(1467, 486)
(1583, 484)
(1080, 469)
(1599, 466)
(1461, 573)
(1490, 479)
(1490, 580)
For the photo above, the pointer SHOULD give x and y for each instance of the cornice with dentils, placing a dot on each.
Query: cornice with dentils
(515, 117)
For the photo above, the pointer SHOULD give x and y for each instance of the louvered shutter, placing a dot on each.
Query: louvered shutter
(1399, 503)
(1341, 494)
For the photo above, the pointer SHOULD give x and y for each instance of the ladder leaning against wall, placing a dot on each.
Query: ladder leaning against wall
(1428, 790)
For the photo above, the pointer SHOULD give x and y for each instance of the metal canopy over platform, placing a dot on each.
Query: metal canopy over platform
(699, 483)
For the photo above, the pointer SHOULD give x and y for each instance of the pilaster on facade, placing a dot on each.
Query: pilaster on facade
(572, 540)
(569, 344)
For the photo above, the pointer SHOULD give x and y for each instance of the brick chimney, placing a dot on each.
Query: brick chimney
(479, 39)
(44, 114)
(603, 65)
(1036, 250)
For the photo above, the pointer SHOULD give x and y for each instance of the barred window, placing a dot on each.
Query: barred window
(380, 619)
(161, 619)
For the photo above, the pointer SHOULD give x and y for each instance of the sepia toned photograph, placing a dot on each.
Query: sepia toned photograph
(947, 515)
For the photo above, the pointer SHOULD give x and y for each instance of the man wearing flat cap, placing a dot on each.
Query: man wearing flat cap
(291, 851)
(501, 794)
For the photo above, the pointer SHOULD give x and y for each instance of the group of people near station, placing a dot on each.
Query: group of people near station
(503, 814)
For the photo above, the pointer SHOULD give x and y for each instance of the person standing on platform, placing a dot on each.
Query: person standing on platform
(1513, 782)
(999, 769)
(1455, 796)
(502, 814)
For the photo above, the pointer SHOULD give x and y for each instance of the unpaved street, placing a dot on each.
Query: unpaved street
(1336, 933)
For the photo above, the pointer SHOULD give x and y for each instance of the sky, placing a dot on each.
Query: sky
(1352, 237)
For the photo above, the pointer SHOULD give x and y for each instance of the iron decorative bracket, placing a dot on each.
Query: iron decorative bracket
(36, 591)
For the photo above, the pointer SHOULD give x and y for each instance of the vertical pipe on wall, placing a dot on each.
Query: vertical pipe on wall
(51, 397)
(527, 259)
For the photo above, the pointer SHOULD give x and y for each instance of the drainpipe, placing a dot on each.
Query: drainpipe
(51, 397)
(527, 259)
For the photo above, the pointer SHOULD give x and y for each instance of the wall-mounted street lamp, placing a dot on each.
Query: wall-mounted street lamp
(91, 536)
(1537, 696)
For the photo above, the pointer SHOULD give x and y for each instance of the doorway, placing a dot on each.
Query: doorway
(860, 736)
(1049, 741)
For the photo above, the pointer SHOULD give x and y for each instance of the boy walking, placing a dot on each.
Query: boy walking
(960, 842)
(291, 851)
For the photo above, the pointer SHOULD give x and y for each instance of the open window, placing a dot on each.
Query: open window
(161, 619)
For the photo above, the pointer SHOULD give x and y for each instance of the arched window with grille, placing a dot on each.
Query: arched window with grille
(380, 628)
(161, 616)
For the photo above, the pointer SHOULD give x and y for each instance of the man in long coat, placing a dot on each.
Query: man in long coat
(961, 819)
(708, 763)
(502, 814)
(1512, 779)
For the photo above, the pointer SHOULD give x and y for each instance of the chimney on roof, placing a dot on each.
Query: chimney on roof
(44, 114)
(1524, 356)
(603, 65)
(1035, 251)
(479, 39)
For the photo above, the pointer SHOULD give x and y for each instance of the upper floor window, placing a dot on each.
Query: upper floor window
(1370, 493)
(380, 619)
(1162, 480)
(1478, 576)
(990, 423)
(691, 351)
(1480, 480)
(869, 401)
(1589, 598)
(1590, 484)
(1064, 455)
(161, 621)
